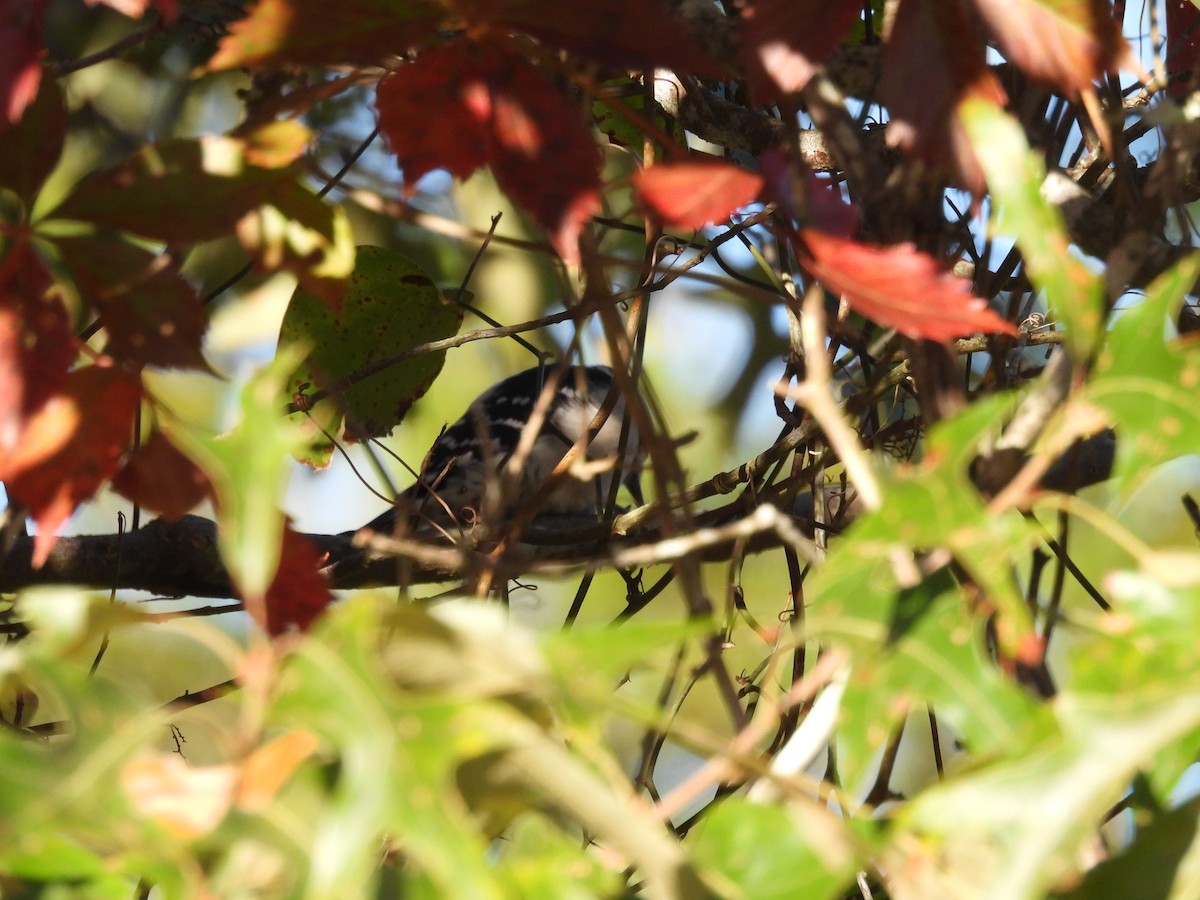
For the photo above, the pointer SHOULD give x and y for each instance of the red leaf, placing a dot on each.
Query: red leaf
(72, 445)
(933, 62)
(784, 41)
(37, 345)
(695, 193)
(163, 480)
(152, 315)
(1183, 47)
(21, 54)
(480, 104)
(621, 34)
(1065, 44)
(899, 287)
(279, 33)
(298, 594)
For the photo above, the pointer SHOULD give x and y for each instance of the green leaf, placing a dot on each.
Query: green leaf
(390, 305)
(1129, 692)
(248, 468)
(1014, 176)
(1160, 863)
(1147, 384)
(765, 852)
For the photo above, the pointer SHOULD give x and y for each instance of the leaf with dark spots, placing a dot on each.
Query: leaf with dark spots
(390, 305)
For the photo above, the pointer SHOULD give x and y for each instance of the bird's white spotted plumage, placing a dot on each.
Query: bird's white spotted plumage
(470, 454)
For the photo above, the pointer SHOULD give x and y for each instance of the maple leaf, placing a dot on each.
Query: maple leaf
(695, 193)
(298, 594)
(160, 478)
(37, 345)
(784, 41)
(480, 104)
(71, 446)
(932, 63)
(21, 54)
(899, 287)
(1065, 44)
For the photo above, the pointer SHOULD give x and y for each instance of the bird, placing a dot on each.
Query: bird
(470, 454)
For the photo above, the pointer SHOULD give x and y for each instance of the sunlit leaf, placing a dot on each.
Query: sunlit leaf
(1148, 385)
(784, 41)
(390, 306)
(1014, 175)
(899, 287)
(695, 193)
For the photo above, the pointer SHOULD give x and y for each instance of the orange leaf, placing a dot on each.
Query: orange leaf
(480, 104)
(695, 193)
(267, 769)
(899, 287)
(36, 343)
(298, 593)
(71, 446)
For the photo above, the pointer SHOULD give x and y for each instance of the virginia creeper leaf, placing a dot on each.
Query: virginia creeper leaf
(784, 41)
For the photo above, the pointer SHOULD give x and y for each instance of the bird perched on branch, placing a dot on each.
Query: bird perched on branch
(534, 419)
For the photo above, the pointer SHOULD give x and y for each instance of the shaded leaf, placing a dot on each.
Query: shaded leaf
(695, 193)
(151, 314)
(21, 52)
(71, 446)
(298, 593)
(932, 62)
(37, 345)
(899, 287)
(1065, 43)
(1014, 176)
(390, 305)
(161, 479)
(285, 32)
(31, 148)
(495, 109)
(153, 193)
(784, 41)
(620, 34)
